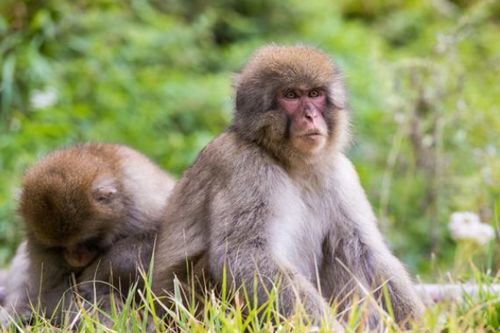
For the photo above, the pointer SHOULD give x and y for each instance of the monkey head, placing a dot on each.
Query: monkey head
(69, 203)
(291, 101)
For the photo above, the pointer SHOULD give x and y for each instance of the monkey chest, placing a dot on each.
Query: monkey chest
(299, 232)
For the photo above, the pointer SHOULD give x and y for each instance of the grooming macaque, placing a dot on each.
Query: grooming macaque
(274, 198)
(91, 214)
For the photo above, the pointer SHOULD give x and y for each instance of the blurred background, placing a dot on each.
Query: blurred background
(423, 77)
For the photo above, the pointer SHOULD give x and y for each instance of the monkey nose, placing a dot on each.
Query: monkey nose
(310, 113)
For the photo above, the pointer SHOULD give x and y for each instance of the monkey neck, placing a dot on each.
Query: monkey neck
(296, 162)
(311, 167)
(303, 166)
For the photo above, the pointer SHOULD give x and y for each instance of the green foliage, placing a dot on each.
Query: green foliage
(156, 75)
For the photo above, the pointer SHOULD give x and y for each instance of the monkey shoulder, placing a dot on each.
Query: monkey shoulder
(343, 173)
(229, 176)
(229, 147)
(229, 156)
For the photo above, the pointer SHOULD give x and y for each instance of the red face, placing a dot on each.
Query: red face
(79, 256)
(306, 109)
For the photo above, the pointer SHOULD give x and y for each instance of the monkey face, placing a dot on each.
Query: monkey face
(291, 101)
(82, 252)
(78, 250)
(305, 108)
(67, 213)
(80, 255)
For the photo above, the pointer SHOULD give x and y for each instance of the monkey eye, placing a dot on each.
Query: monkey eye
(314, 93)
(290, 94)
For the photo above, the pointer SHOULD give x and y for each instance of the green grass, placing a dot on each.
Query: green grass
(237, 312)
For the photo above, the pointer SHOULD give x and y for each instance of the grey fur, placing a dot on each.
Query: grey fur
(252, 204)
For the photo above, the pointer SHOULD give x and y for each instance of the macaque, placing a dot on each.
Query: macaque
(91, 214)
(274, 199)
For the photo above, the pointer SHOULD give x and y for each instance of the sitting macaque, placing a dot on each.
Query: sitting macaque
(274, 199)
(91, 214)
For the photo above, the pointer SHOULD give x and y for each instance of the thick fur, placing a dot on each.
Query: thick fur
(59, 206)
(253, 205)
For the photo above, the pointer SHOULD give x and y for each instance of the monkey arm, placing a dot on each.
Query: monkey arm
(364, 250)
(119, 267)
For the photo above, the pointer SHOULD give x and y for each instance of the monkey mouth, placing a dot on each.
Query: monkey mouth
(312, 134)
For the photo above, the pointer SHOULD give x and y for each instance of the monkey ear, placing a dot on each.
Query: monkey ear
(104, 194)
(104, 191)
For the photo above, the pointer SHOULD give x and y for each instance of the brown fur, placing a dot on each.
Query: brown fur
(108, 197)
(255, 205)
(57, 203)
